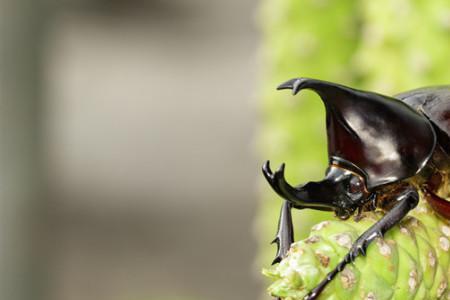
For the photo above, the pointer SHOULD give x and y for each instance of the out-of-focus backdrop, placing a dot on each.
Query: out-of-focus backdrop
(128, 136)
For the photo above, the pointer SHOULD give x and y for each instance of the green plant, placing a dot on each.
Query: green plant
(411, 262)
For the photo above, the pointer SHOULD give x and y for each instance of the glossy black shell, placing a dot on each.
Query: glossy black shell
(386, 140)
(434, 103)
(380, 137)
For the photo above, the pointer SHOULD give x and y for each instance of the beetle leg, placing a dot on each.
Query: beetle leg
(439, 205)
(285, 232)
(406, 201)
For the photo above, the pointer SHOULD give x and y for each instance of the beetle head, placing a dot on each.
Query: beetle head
(342, 189)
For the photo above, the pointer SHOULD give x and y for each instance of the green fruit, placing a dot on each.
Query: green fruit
(410, 262)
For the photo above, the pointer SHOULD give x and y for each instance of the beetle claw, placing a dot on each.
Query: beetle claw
(281, 169)
(276, 178)
(267, 172)
(361, 245)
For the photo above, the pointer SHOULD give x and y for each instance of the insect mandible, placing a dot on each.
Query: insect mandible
(382, 152)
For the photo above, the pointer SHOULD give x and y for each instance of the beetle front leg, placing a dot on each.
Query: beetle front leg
(405, 202)
(285, 232)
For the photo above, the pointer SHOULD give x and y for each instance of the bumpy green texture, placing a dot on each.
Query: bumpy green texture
(410, 262)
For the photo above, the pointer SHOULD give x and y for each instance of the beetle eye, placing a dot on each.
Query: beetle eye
(355, 185)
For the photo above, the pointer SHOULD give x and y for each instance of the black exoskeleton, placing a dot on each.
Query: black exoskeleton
(382, 151)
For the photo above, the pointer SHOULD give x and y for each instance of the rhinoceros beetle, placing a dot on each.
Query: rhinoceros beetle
(382, 152)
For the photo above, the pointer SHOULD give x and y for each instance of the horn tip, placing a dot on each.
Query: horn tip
(295, 84)
(287, 85)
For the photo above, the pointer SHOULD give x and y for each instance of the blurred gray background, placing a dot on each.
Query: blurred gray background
(139, 117)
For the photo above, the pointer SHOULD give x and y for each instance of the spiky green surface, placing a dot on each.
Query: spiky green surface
(411, 262)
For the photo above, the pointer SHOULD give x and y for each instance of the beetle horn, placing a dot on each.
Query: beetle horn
(369, 130)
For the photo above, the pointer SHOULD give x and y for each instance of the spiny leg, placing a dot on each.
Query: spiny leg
(405, 201)
(285, 232)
